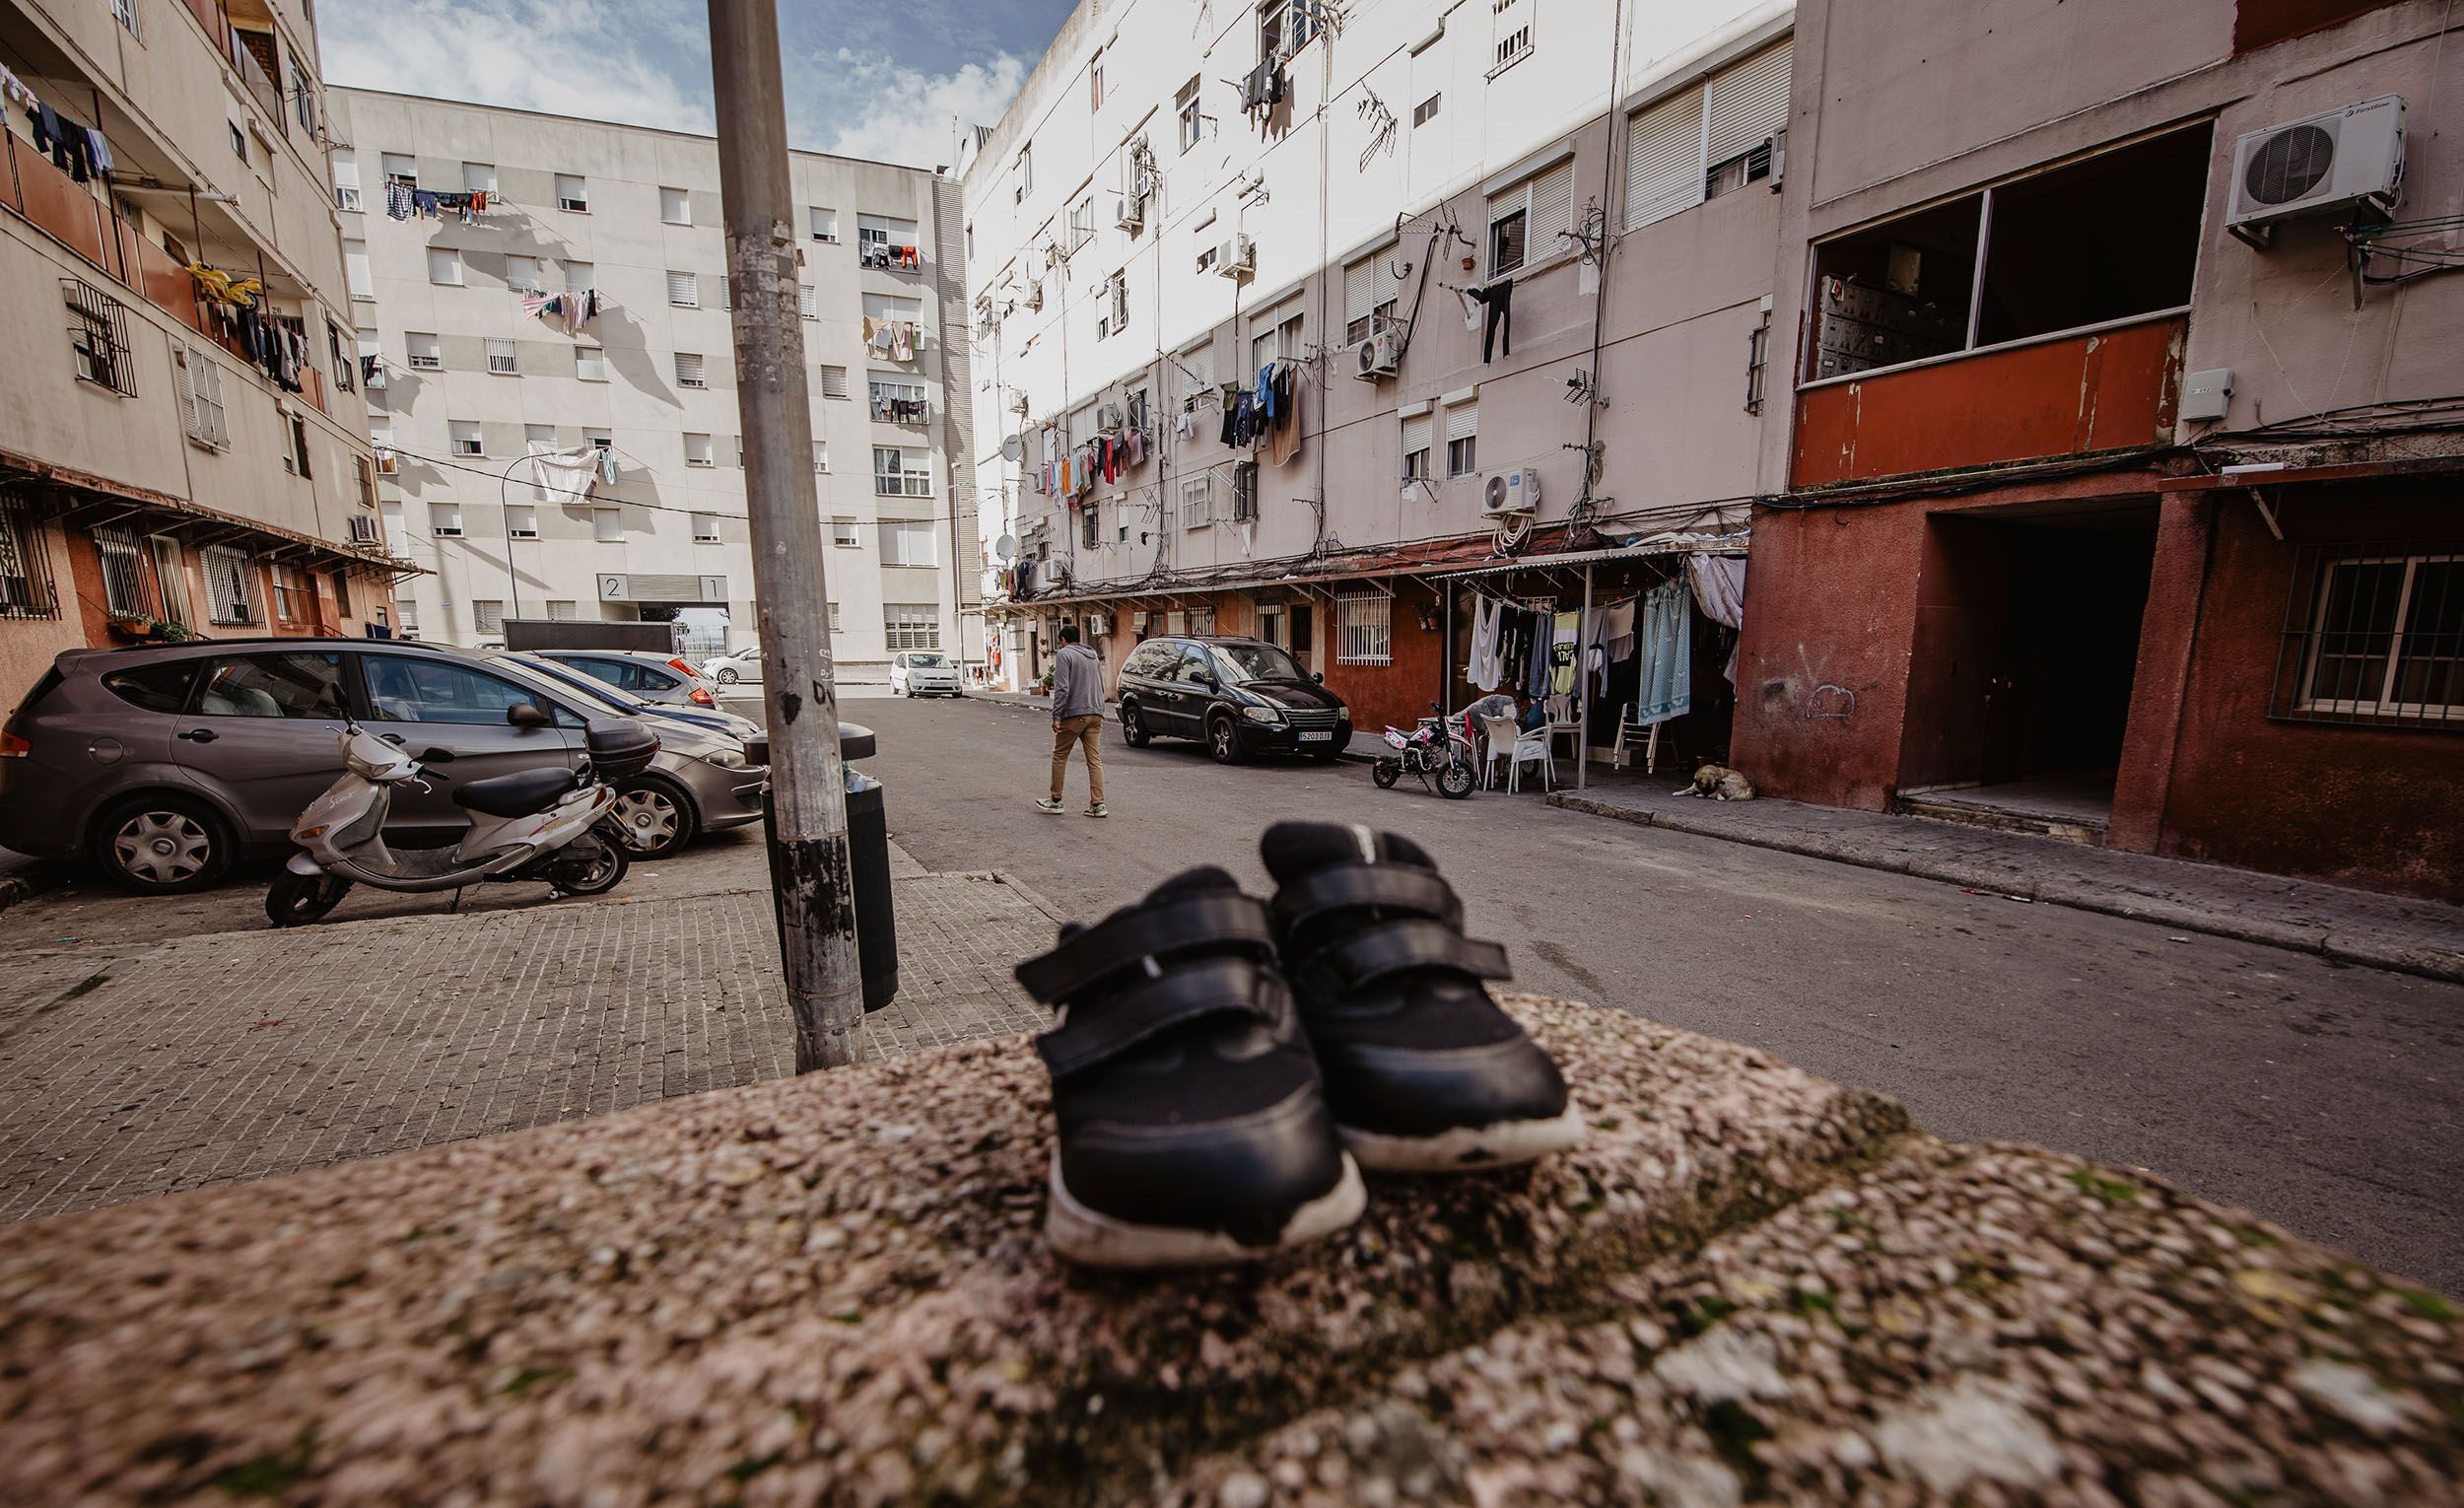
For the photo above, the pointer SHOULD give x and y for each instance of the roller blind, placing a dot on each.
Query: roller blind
(1663, 159)
(1368, 283)
(1463, 420)
(1552, 211)
(1418, 429)
(683, 288)
(1747, 104)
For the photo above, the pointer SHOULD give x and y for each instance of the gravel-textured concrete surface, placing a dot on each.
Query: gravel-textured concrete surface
(1748, 1283)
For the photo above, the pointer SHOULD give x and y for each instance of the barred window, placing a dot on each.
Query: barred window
(98, 337)
(123, 571)
(26, 589)
(1365, 633)
(2375, 637)
(911, 625)
(227, 577)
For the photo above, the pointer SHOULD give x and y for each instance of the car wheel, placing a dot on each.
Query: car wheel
(655, 816)
(162, 845)
(1223, 741)
(727, 675)
(1133, 727)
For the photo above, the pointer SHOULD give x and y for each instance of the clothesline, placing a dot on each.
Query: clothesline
(79, 150)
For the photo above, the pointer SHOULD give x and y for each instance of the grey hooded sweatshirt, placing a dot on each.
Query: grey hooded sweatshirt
(1077, 683)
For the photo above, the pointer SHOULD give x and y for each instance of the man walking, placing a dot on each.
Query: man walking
(1077, 719)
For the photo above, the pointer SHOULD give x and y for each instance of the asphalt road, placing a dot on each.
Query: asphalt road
(2320, 1096)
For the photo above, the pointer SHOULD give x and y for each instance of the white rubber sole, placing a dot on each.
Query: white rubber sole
(1094, 1240)
(1466, 1148)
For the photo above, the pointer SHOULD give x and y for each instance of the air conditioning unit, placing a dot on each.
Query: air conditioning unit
(363, 530)
(1236, 258)
(1128, 212)
(2339, 160)
(1511, 492)
(1107, 416)
(1377, 357)
(1099, 625)
(1035, 296)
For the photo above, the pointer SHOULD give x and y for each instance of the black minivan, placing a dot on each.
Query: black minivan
(1241, 696)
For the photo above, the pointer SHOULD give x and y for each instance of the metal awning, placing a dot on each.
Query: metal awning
(1658, 544)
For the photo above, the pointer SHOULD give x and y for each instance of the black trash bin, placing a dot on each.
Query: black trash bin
(869, 860)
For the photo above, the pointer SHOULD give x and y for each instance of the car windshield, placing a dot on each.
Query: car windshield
(1243, 662)
(926, 661)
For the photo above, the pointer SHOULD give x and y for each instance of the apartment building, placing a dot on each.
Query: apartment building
(1507, 275)
(2119, 493)
(541, 310)
(183, 445)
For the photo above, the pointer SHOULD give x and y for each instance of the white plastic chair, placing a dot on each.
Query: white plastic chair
(1539, 747)
(1498, 737)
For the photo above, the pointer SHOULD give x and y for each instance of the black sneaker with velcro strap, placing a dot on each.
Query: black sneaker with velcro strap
(1425, 1073)
(1193, 1128)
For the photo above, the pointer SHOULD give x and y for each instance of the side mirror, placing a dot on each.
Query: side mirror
(436, 756)
(1318, 676)
(526, 714)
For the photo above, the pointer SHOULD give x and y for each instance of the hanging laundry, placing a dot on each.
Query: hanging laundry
(12, 89)
(1498, 299)
(101, 150)
(1666, 687)
(1283, 444)
(1720, 586)
(1138, 449)
(1472, 309)
(1613, 629)
(1564, 651)
(903, 341)
(397, 199)
(1482, 671)
(1264, 394)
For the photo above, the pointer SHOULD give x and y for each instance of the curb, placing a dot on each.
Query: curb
(2375, 952)
(26, 884)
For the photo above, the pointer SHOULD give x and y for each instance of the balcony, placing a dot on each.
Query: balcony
(2112, 388)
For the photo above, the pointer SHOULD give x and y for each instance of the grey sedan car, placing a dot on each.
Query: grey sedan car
(161, 765)
(644, 677)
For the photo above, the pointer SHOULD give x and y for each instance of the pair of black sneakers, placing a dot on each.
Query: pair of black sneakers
(1222, 1067)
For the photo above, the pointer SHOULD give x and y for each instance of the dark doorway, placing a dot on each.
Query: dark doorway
(2027, 643)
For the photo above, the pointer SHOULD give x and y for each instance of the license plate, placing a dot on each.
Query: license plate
(1317, 737)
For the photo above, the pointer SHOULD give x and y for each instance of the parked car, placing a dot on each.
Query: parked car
(744, 665)
(924, 673)
(710, 719)
(160, 765)
(643, 676)
(1241, 696)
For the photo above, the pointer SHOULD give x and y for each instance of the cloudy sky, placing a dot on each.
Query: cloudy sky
(868, 78)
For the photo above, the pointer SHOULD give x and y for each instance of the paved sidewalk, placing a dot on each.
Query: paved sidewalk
(22, 876)
(2355, 926)
(140, 1070)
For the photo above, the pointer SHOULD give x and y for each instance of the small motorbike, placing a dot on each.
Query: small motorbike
(548, 824)
(1437, 751)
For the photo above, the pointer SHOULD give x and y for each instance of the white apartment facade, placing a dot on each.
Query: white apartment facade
(181, 452)
(474, 379)
(1142, 232)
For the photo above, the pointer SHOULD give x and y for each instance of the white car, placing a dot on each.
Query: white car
(924, 673)
(744, 665)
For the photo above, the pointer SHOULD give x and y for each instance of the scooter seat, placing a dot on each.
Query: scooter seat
(517, 795)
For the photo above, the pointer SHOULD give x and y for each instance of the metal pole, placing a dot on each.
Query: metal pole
(1583, 680)
(809, 862)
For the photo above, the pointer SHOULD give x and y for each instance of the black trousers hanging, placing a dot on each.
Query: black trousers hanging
(1497, 332)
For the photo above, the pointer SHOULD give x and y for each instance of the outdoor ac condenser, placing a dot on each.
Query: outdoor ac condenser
(2340, 160)
(1510, 492)
(1377, 357)
(1236, 258)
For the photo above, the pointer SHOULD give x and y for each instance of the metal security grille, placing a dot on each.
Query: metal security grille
(2374, 635)
(228, 573)
(26, 589)
(1364, 629)
(97, 335)
(123, 571)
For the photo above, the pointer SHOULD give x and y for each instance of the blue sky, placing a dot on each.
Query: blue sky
(880, 80)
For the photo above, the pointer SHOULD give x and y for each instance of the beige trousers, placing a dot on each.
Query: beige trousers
(1088, 733)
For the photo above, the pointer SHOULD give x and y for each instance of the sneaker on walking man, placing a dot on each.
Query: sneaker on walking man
(1077, 719)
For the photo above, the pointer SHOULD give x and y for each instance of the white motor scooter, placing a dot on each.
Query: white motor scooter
(530, 825)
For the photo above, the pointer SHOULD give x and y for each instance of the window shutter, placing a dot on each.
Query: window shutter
(1552, 212)
(808, 301)
(1463, 421)
(1747, 104)
(1367, 283)
(1418, 429)
(726, 292)
(689, 369)
(834, 381)
(683, 289)
(187, 393)
(1663, 163)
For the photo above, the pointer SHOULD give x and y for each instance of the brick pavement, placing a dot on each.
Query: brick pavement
(234, 1055)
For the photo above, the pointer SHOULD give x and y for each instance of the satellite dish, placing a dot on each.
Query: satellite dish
(1005, 547)
(1013, 449)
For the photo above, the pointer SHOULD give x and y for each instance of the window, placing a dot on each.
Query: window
(487, 615)
(726, 292)
(589, 364)
(230, 597)
(1198, 370)
(561, 610)
(346, 166)
(1025, 184)
(1364, 630)
(1708, 138)
(26, 586)
(675, 206)
(400, 167)
(500, 357)
(521, 521)
(1509, 34)
(2376, 638)
(125, 13)
(581, 277)
(808, 301)
(1418, 430)
(1081, 221)
(404, 688)
(684, 290)
(1462, 438)
(372, 359)
(296, 447)
(607, 525)
(98, 337)
(906, 542)
(521, 274)
(1116, 304)
(444, 521)
(540, 438)
(1095, 85)
(422, 352)
(1192, 123)
(696, 451)
(911, 625)
(479, 177)
(572, 195)
(355, 273)
(1370, 291)
(1427, 111)
(2101, 240)
(294, 597)
(201, 381)
(689, 369)
(1091, 526)
(295, 685)
(1197, 501)
(821, 456)
(123, 571)
(834, 381)
(444, 266)
(467, 440)
(845, 533)
(1203, 619)
(1531, 221)
(238, 138)
(1283, 29)
(898, 473)
(162, 687)
(825, 223)
(1275, 337)
(896, 399)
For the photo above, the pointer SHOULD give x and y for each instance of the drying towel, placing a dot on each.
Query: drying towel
(1720, 586)
(564, 480)
(1614, 631)
(1666, 689)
